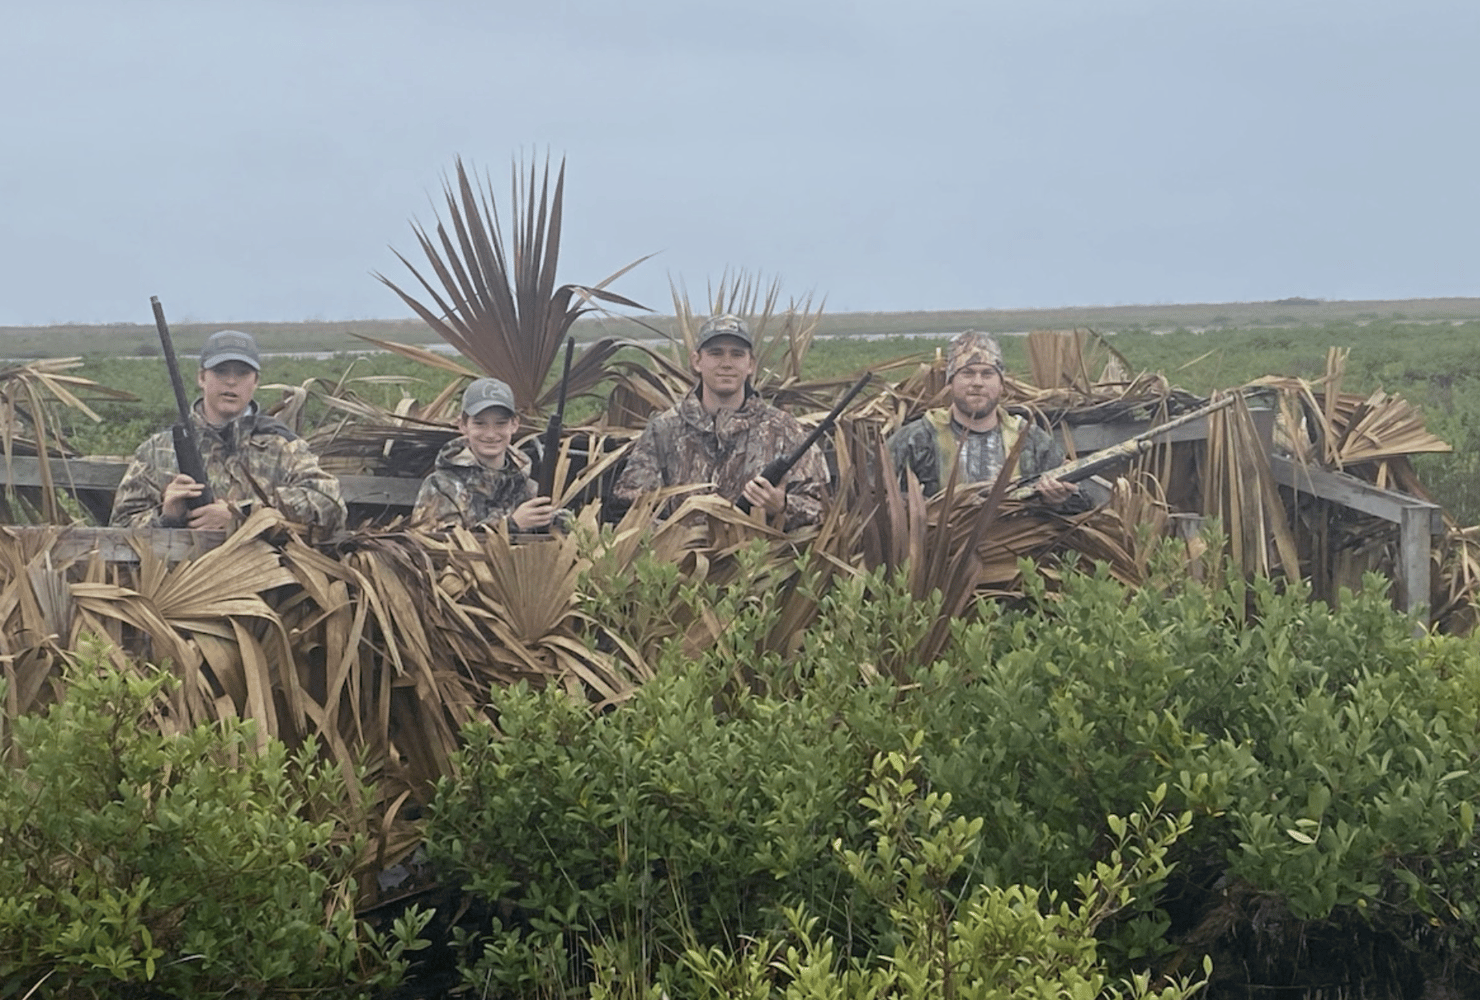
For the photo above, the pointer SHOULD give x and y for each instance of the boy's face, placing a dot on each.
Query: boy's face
(226, 390)
(723, 365)
(489, 432)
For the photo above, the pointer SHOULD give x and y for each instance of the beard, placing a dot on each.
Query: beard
(979, 414)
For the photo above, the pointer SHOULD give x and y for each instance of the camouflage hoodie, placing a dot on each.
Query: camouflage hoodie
(688, 445)
(461, 491)
(252, 453)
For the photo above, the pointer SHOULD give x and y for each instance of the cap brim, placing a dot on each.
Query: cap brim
(233, 356)
(726, 333)
(488, 404)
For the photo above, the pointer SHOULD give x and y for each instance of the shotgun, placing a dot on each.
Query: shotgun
(187, 450)
(778, 467)
(550, 445)
(1097, 461)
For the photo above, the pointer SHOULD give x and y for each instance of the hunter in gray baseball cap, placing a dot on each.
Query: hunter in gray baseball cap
(485, 392)
(230, 345)
(727, 325)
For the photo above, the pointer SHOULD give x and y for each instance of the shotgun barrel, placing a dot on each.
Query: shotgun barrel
(187, 449)
(1082, 468)
(778, 467)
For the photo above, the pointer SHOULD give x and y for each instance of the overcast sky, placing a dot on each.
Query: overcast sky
(258, 161)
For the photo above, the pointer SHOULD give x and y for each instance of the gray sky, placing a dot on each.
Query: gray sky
(257, 161)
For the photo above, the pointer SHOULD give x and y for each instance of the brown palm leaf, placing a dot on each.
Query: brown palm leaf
(495, 302)
(29, 425)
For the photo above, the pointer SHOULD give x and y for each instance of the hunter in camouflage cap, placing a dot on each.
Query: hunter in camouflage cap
(973, 348)
(727, 325)
(230, 345)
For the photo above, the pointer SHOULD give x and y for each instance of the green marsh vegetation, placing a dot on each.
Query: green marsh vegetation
(1432, 363)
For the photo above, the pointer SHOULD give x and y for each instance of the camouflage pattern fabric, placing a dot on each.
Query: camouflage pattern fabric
(973, 348)
(921, 447)
(255, 459)
(687, 445)
(461, 491)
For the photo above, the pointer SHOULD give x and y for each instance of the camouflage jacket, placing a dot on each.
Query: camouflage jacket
(461, 491)
(929, 447)
(253, 460)
(688, 445)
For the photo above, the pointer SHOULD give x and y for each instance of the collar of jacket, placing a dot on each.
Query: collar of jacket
(691, 409)
(1009, 424)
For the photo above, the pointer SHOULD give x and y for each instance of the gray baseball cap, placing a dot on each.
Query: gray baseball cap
(230, 345)
(482, 393)
(727, 325)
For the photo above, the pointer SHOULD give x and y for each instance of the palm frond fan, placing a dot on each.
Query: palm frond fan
(495, 300)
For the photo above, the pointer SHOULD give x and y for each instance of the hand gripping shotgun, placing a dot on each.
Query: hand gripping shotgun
(778, 467)
(187, 451)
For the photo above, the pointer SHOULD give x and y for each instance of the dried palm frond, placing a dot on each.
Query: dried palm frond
(1238, 488)
(498, 303)
(781, 337)
(1344, 431)
(29, 425)
(1070, 359)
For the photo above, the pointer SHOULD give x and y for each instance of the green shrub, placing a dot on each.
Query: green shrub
(178, 866)
(994, 944)
(1326, 756)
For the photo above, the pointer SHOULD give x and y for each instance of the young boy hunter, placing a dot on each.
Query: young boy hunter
(478, 478)
(250, 458)
(723, 434)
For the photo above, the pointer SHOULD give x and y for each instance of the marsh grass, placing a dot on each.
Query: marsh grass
(1433, 364)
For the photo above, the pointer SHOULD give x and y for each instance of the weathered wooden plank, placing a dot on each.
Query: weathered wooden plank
(78, 473)
(114, 544)
(1093, 437)
(1415, 562)
(381, 491)
(102, 475)
(1349, 491)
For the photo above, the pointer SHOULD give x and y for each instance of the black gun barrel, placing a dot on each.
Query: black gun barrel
(778, 467)
(187, 449)
(550, 443)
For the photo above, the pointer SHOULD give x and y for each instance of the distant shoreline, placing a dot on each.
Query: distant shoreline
(332, 336)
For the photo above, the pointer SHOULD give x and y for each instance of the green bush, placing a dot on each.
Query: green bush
(692, 813)
(995, 944)
(1326, 755)
(175, 866)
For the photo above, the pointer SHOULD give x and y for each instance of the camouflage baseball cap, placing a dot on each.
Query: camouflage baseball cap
(230, 345)
(728, 325)
(482, 393)
(972, 348)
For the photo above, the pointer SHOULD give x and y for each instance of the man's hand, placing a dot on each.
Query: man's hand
(176, 494)
(214, 516)
(534, 514)
(1055, 490)
(761, 492)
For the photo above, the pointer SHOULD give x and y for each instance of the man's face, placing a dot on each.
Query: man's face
(489, 432)
(976, 389)
(723, 365)
(226, 390)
